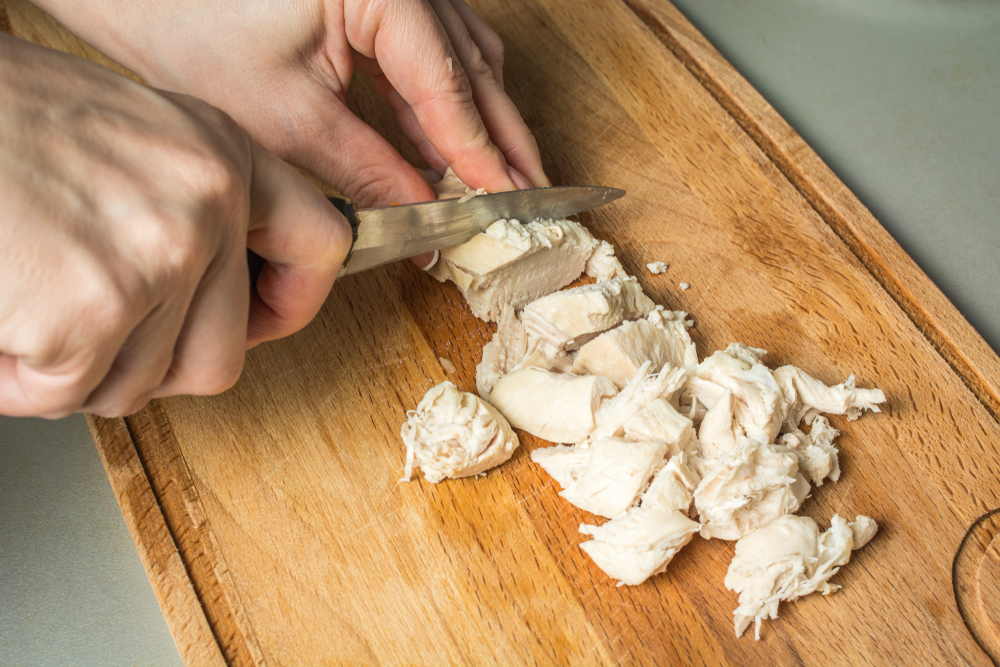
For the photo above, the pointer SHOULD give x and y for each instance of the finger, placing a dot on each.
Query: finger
(304, 240)
(141, 364)
(416, 56)
(499, 114)
(409, 124)
(208, 355)
(489, 43)
(48, 369)
(346, 152)
(28, 392)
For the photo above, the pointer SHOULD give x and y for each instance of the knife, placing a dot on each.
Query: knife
(383, 235)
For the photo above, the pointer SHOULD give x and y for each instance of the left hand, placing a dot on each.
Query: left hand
(281, 69)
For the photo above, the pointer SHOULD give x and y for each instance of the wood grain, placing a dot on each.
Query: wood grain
(280, 500)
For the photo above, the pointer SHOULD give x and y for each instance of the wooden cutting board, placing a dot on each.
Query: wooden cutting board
(270, 519)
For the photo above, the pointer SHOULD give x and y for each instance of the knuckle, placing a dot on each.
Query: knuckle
(217, 377)
(216, 181)
(478, 65)
(493, 49)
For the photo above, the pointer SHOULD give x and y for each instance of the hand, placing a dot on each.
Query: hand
(281, 69)
(126, 217)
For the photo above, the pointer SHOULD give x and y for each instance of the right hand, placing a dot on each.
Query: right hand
(126, 215)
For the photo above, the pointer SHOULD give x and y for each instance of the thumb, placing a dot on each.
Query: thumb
(303, 240)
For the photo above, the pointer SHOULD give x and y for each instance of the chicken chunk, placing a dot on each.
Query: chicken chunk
(502, 354)
(605, 477)
(785, 560)
(640, 544)
(662, 339)
(818, 456)
(759, 405)
(673, 486)
(558, 407)
(642, 389)
(717, 434)
(567, 319)
(658, 420)
(455, 434)
(749, 487)
(806, 397)
(512, 264)
(451, 187)
(603, 265)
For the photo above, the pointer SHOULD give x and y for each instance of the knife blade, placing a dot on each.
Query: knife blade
(383, 235)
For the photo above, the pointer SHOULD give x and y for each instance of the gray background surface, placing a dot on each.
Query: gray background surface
(900, 97)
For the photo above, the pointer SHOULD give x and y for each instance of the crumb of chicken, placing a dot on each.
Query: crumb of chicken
(657, 267)
(684, 286)
(446, 364)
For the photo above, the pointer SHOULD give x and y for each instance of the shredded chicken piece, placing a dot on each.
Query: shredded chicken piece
(662, 339)
(787, 559)
(451, 186)
(605, 477)
(673, 486)
(640, 544)
(555, 406)
(657, 267)
(658, 420)
(863, 528)
(455, 434)
(716, 433)
(759, 404)
(806, 397)
(567, 319)
(502, 354)
(603, 265)
(642, 389)
(818, 456)
(748, 487)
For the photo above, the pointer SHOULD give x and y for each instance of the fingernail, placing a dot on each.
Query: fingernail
(430, 263)
(520, 181)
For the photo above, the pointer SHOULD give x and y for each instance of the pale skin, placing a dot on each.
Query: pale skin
(128, 210)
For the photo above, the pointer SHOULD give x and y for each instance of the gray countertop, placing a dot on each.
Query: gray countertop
(901, 98)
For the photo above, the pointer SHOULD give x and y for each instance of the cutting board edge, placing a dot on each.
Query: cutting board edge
(182, 608)
(930, 311)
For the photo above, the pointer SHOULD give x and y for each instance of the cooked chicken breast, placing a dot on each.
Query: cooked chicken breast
(512, 264)
(748, 487)
(673, 486)
(452, 187)
(557, 407)
(661, 339)
(818, 456)
(641, 390)
(640, 544)
(718, 432)
(605, 477)
(567, 319)
(787, 559)
(806, 397)
(658, 420)
(759, 404)
(455, 434)
(502, 354)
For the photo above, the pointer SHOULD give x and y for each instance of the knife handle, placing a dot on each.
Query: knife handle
(255, 263)
(347, 209)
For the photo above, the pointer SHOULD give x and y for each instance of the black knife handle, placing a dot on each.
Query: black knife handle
(347, 209)
(255, 263)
